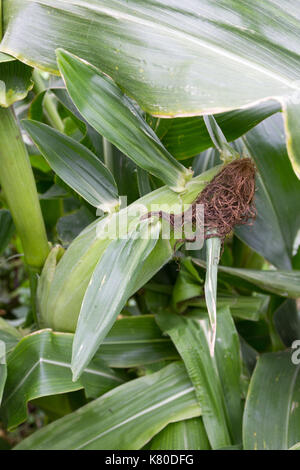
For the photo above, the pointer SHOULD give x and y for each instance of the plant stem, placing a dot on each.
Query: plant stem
(49, 105)
(17, 181)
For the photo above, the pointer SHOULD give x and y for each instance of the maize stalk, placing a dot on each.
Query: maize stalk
(20, 194)
(18, 185)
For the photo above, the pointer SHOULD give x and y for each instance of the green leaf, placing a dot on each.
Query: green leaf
(40, 365)
(213, 249)
(125, 173)
(286, 320)
(109, 288)
(9, 335)
(143, 182)
(3, 368)
(6, 57)
(6, 229)
(227, 153)
(191, 339)
(76, 165)
(187, 137)
(229, 366)
(160, 42)
(132, 342)
(278, 214)
(91, 139)
(112, 114)
(272, 412)
(244, 307)
(15, 80)
(139, 409)
(38, 161)
(283, 283)
(136, 341)
(185, 435)
(69, 226)
(291, 116)
(188, 284)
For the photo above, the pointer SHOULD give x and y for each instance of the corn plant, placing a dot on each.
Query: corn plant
(149, 225)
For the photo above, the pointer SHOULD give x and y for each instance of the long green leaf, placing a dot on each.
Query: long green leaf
(144, 46)
(228, 357)
(185, 435)
(187, 137)
(213, 249)
(136, 341)
(278, 215)
(291, 116)
(161, 42)
(110, 286)
(40, 365)
(132, 342)
(110, 112)
(125, 418)
(284, 283)
(15, 80)
(191, 339)
(229, 366)
(277, 195)
(76, 165)
(244, 307)
(272, 412)
(227, 153)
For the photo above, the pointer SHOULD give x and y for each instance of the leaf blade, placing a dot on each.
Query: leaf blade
(76, 165)
(141, 409)
(109, 288)
(111, 113)
(40, 365)
(268, 425)
(191, 339)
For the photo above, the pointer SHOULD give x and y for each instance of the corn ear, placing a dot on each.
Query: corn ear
(61, 301)
(46, 279)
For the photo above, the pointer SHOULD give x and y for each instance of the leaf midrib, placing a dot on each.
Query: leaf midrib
(59, 364)
(138, 415)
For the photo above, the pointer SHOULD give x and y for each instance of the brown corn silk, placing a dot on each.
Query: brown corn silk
(228, 200)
